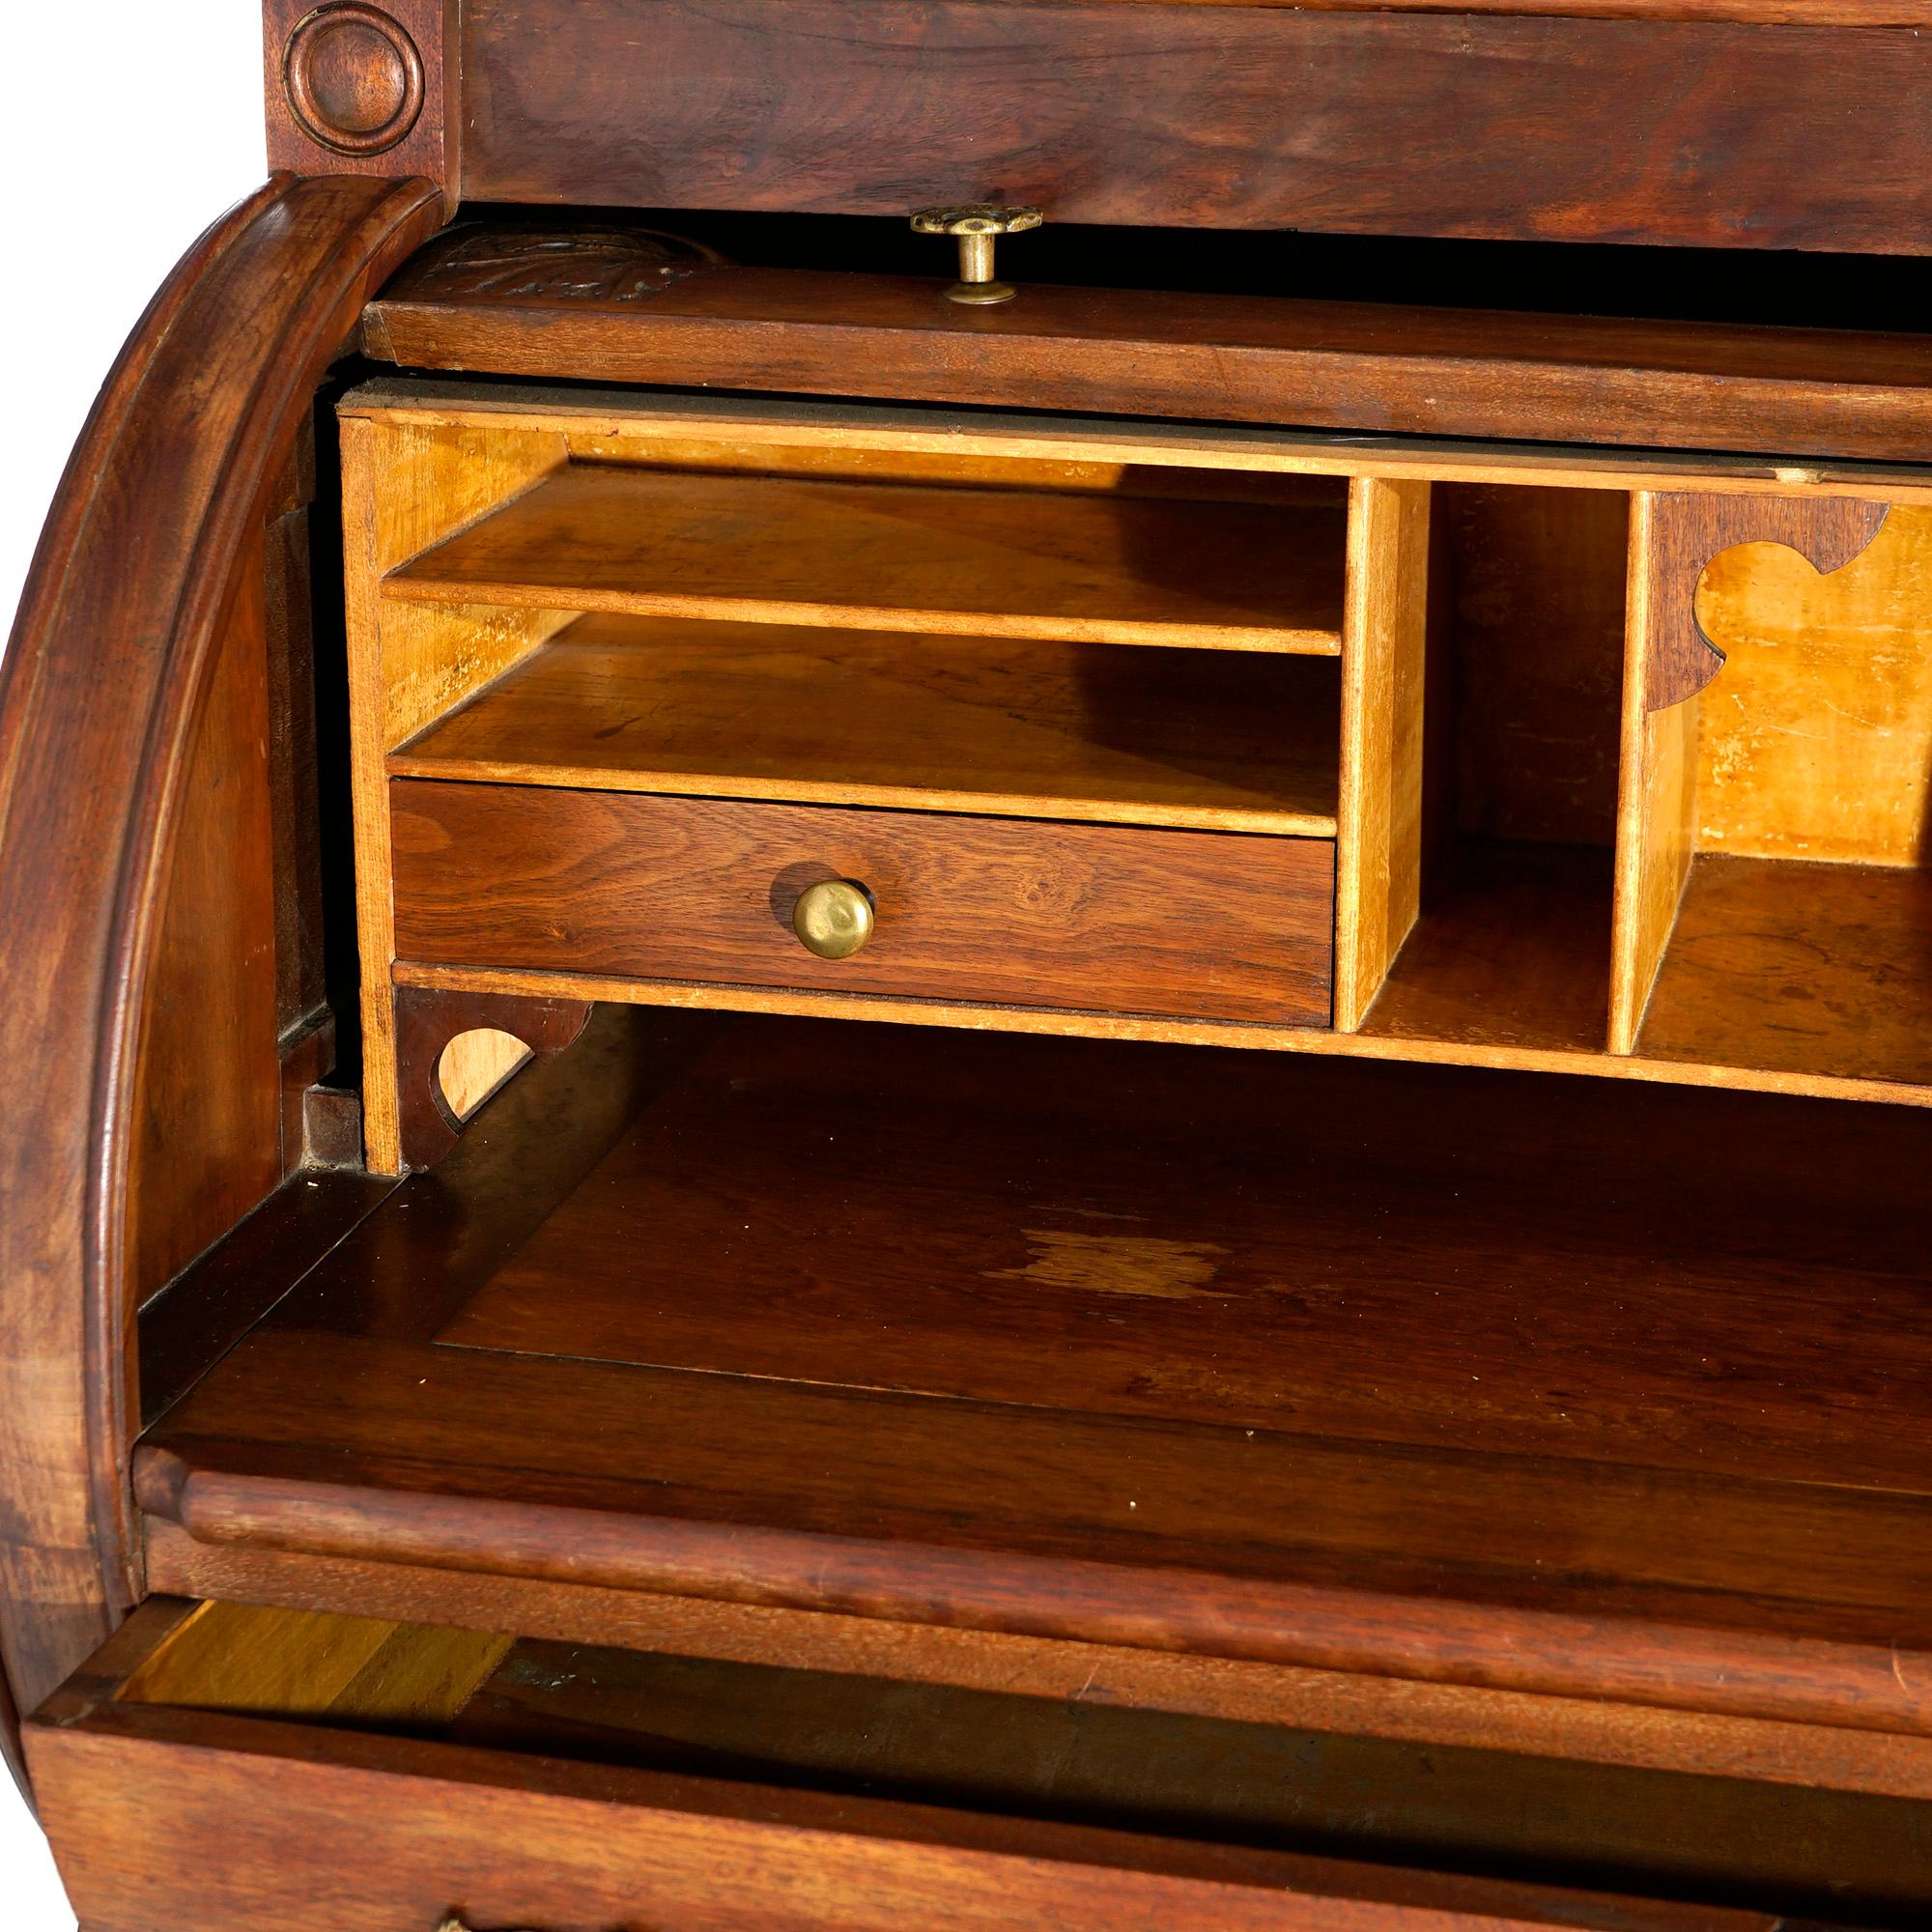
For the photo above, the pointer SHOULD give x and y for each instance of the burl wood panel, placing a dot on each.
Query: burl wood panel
(1231, 117)
(1079, 567)
(553, 311)
(114, 652)
(1816, 740)
(1019, 728)
(1119, 919)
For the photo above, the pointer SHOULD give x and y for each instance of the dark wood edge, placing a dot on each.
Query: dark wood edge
(99, 698)
(213, 1302)
(1271, 360)
(1628, 1660)
(1879, 1763)
(1690, 532)
(770, 1827)
(10, 1740)
(428, 1019)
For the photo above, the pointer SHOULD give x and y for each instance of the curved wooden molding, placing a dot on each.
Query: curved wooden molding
(1690, 530)
(137, 571)
(428, 1019)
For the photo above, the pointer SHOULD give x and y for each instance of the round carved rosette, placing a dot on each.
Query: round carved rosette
(354, 77)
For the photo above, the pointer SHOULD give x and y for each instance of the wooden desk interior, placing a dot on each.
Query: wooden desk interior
(1591, 1387)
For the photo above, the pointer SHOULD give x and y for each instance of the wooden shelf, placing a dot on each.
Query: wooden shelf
(1406, 1370)
(1007, 726)
(1080, 567)
(1512, 950)
(1798, 967)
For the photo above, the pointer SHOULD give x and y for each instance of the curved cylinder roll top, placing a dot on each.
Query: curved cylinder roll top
(147, 576)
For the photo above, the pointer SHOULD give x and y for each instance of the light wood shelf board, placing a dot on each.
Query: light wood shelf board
(983, 1018)
(1010, 727)
(636, 419)
(957, 560)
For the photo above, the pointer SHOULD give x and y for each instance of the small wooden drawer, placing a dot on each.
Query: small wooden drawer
(220, 1768)
(1115, 919)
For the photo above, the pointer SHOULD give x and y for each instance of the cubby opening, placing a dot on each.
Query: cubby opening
(1520, 757)
(1786, 807)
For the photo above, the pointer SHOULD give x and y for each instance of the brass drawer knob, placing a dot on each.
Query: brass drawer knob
(977, 226)
(833, 918)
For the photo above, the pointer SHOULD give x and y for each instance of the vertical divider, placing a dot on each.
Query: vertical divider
(404, 488)
(1656, 792)
(1379, 818)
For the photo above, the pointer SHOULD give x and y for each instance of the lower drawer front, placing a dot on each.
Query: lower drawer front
(218, 1767)
(1130, 919)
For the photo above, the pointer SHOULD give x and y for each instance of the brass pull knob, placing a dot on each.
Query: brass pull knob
(833, 918)
(976, 226)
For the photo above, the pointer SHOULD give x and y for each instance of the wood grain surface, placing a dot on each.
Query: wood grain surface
(1021, 564)
(1275, 358)
(1685, 530)
(1816, 740)
(1173, 1775)
(1491, 127)
(112, 657)
(1379, 812)
(1885, 1764)
(1799, 965)
(1123, 918)
(406, 1828)
(1024, 727)
(1513, 948)
(1603, 1462)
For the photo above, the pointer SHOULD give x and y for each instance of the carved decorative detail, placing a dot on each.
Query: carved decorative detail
(1690, 528)
(476, 263)
(427, 1018)
(355, 78)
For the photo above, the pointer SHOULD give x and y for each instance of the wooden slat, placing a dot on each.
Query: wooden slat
(1020, 727)
(612, 424)
(901, 557)
(1656, 798)
(1378, 838)
(1234, 358)
(1495, 126)
(1734, 1596)
(1883, 1764)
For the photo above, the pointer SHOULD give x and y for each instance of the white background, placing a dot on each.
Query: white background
(129, 127)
